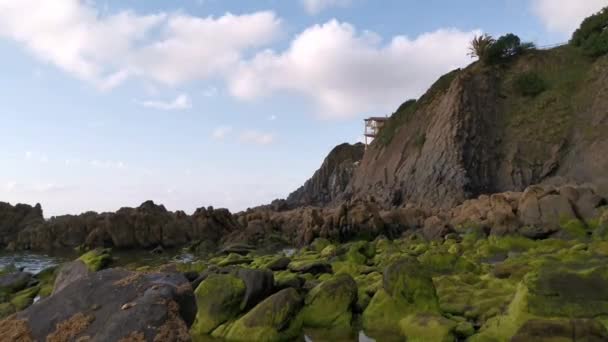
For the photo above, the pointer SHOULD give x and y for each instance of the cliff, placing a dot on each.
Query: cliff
(476, 132)
(332, 178)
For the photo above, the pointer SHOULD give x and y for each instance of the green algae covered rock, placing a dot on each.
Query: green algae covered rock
(234, 259)
(274, 319)
(47, 278)
(329, 305)
(310, 266)
(552, 330)
(219, 299)
(475, 297)
(24, 298)
(425, 327)
(319, 244)
(559, 291)
(555, 292)
(407, 289)
(360, 251)
(97, 259)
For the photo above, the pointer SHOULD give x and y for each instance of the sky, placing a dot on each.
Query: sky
(228, 103)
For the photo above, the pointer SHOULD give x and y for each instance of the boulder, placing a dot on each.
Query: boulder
(274, 319)
(14, 282)
(69, 273)
(259, 284)
(549, 330)
(329, 305)
(96, 259)
(111, 305)
(310, 266)
(407, 289)
(435, 228)
(279, 264)
(219, 299)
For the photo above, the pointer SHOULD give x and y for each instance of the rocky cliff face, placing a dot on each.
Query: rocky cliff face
(473, 134)
(332, 178)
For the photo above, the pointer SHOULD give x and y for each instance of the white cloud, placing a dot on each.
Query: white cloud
(106, 49)
(256, 137)
(316, 6)
(565, 16)
(348, 72)
(221, 132)
(272, 118)
(181, 102)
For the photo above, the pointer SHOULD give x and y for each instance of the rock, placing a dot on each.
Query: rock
(435, 228)
(557, 291)
(158, 250)
(285, 280)
(407, 289)
(536, 232)
(162, 309)
(274, 319)
(310, 266)
(279, 264)
(330, 304)
(24, 298)
(69, 273)
(219, 299)
(242, 249)
(96, 259)
(14, 282)
(427, 327)
(259, 284)
(545, 330)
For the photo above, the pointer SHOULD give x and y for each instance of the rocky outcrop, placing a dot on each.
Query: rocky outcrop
(111, 305)
(146, 226)
(329, 182)
(14, 219)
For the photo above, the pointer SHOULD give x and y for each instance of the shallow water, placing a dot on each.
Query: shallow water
(31, 262)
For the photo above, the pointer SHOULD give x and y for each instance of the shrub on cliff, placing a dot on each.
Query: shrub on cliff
(530, 84)
(592, 35)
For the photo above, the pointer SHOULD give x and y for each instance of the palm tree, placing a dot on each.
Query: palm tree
(480, 45)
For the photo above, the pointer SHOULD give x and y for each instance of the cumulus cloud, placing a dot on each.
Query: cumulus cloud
(565, 16)
(257, 137)
(181, 102)
(316, 6)
(221, 132)
(347, 72)
(108, 49)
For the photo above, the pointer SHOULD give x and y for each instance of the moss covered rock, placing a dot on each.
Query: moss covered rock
(425, 327)
(551, 330)
(563, 292)
(25, 298)
(274, 319)
(97, 259)
(329, 305)
(219, 298)
(407, 289)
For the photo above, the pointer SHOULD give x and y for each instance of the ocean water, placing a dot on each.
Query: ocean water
(31, 262)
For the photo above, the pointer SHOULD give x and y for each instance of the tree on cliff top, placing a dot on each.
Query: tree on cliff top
(592, 35)
(491, 51)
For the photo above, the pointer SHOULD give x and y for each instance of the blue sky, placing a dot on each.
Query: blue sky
(229, 103)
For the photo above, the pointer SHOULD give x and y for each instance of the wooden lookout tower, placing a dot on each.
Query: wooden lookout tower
(373, 125)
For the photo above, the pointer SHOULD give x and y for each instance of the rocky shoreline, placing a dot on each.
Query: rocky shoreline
(457, 286)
